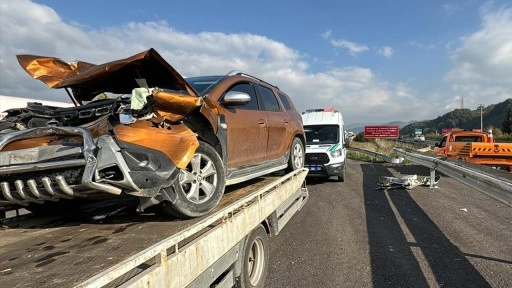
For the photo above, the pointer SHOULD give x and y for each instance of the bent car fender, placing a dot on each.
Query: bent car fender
(177, 142)
(174, 106)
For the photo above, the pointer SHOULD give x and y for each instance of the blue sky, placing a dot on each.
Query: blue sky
(375, 60)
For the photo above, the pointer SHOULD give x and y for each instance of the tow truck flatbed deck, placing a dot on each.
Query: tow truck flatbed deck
(64, 252)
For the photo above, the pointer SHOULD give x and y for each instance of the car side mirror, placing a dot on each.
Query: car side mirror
(436, 144)
(236, 98)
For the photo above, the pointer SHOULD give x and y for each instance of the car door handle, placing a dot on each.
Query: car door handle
(261, 121)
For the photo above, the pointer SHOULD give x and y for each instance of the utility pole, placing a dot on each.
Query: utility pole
(481, 106)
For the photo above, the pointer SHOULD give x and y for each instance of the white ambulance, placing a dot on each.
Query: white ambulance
(325, 143)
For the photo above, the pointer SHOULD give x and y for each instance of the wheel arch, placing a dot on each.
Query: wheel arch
(265, 223)
(302, 139)
(202, 126)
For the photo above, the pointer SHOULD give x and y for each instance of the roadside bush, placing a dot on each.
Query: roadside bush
(381, 146)
(434, 137)
(359, 137)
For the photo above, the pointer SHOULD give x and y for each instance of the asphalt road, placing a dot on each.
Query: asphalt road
(352, 235)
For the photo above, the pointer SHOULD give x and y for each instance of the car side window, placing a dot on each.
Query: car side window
(249, 89)
(284, 100)
(269, 99)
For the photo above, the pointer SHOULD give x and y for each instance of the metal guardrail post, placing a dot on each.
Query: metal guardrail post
(432, 178)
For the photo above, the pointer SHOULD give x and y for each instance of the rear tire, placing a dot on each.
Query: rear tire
(297, 155)
(255, 261)
(199, 186)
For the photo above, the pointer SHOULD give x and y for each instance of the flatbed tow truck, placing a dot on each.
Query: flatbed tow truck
(112, 246)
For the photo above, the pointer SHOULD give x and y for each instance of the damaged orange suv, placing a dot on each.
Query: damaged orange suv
(139, 128)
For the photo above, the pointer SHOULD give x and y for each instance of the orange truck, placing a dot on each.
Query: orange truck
(476, 147)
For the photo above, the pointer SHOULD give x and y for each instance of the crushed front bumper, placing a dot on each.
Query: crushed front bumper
(32, 175)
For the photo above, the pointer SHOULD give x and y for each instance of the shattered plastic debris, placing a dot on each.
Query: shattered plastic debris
(406, 181)
(464, 209)
(126, 118)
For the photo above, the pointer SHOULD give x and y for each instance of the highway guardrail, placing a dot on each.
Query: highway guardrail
(491, 184)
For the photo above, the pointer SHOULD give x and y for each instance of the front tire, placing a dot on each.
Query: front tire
(341, 178)
(255, 261)
(199, 186)
(296, 160)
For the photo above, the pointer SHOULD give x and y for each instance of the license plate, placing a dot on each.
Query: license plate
(315, 168)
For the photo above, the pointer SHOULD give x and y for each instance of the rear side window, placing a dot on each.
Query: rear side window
(468, 139)
(284, 100)
(269, 99)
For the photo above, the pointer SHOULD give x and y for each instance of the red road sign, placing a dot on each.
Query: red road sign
(381, 131)
(445, 131)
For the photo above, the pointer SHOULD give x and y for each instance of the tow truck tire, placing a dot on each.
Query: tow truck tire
(199, 186)
(255, 261)
(296, 160)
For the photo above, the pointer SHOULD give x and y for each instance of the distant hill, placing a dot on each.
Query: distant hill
(492, 115)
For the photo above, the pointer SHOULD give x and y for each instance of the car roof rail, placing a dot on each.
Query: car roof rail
(241, 73)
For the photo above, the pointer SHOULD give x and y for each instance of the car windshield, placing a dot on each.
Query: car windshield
(322, 134)
(203, 84)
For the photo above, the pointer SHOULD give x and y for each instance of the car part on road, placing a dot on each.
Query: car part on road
(406, 181)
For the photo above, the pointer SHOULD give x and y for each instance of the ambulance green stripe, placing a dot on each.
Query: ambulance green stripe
(334, 147)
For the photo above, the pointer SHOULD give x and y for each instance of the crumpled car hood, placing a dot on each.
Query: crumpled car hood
(87, 80)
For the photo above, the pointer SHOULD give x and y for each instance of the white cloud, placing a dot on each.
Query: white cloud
(421, 45)
(482, 65)
(30, 28)
(327, 34)
(386, 51)
(352, 47)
